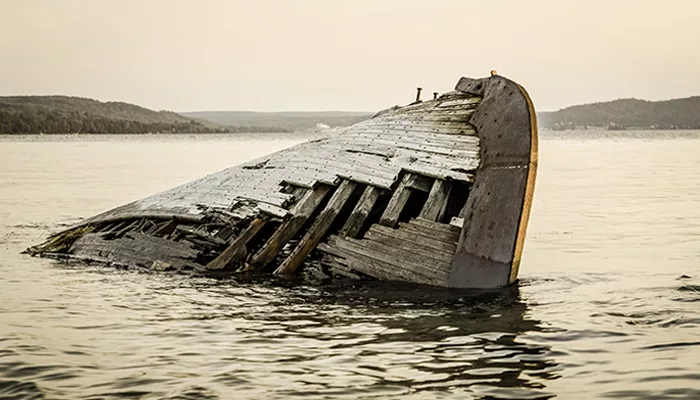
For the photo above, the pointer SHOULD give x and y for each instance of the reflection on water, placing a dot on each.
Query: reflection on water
(285, 341)
(607, 306)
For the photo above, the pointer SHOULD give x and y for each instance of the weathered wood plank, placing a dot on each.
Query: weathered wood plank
(409, 237)
(359, 215)
(454, 128)
(424, 264)
(202, 235)
(429, 233)
(337, 267)
(438, 226)
(361, 263)
(119, 225)
(434, 207)
(466, 151)
(318, 229)
(419, 182)
(462, 142)
(237, 251)
(274, 211)
(434, 171)
(342, 167)
(128, 228)
(337, 157)
(288, 229)
(380, 262)
(397, 202)
(416, 252)
(134, 249)
(442, 115)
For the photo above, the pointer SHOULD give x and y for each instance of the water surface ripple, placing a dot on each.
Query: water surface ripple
(608, 305)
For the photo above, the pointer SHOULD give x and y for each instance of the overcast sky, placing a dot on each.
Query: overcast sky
(345, 55)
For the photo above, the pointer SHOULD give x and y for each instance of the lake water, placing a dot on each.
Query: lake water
(608, 305)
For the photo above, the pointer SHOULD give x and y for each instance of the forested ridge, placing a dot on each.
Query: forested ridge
(63, 114)
(627, 114)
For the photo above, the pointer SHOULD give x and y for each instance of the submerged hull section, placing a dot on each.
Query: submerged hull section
(436, 192)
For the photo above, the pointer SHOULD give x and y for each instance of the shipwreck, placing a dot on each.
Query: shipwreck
(436, 192)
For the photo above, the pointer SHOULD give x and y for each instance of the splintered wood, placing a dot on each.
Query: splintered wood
(280, 211)
(396, 254)
(302, 211)
(428, 139)
(359, 215)
(318, 229)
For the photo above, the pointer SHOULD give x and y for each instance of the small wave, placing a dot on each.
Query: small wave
(690, 288)
(12, 389)
(670, 345)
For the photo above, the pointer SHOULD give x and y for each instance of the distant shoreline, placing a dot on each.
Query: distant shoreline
(62, 115)
(544, 131)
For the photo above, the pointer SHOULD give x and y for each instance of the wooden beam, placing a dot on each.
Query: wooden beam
(382, 262)
(419, 182)
(409, 250)
(434, 207)
(437, 234)
(318, 229)
(288, 229)
(237, 251)
(437, 226)
(409, 237)
(397, 202)
(358, 216)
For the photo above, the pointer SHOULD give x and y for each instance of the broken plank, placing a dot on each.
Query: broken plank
(408, 237)
(439, 226)
(318, 229)
(288, 229)
(358, 216)
(215, 241)
(429, 233)
(130, 227)
(422, 263)
(419, 182)
(434, 207)
(237, 251)
(337, 267)
(434, 171)
(397, 202)
(408, 250)
(383, 265)
(361, 263)
(274, 211)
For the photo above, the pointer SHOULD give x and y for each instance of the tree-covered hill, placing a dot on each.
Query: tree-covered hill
(627, 113)
(63, 114)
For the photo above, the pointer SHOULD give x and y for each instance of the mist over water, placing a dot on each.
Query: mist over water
(608, 305)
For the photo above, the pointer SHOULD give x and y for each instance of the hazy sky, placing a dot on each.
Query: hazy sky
(345, 55)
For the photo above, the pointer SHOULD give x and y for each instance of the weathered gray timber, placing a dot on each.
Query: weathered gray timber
(359, 215)
(436, 192)
(434, 208)
(302, 211)
(237, 252)
(318, 229)
(397, 202)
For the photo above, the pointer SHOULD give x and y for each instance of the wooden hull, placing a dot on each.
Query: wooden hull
(436, 192)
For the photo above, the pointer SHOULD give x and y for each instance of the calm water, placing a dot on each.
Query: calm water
(608, 306)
